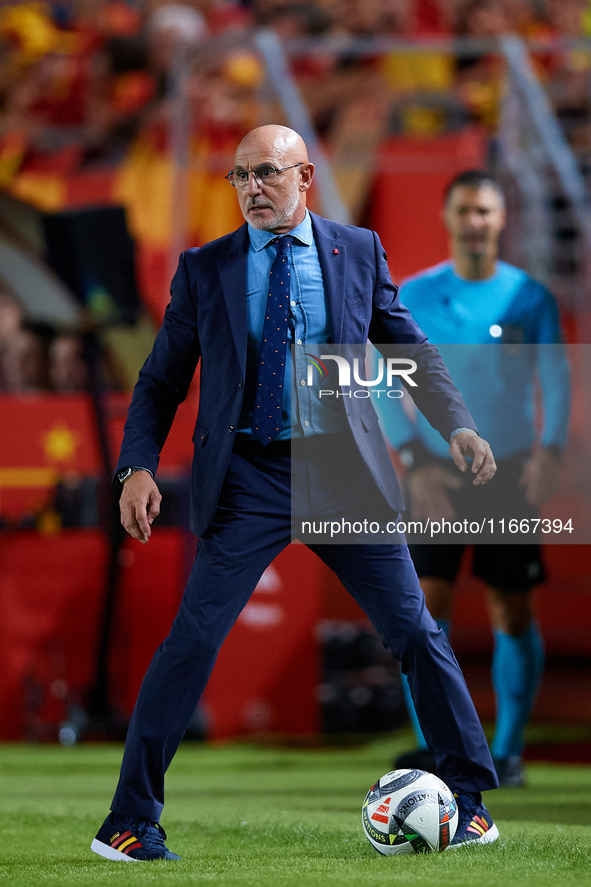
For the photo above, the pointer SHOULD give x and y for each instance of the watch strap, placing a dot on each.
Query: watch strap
(125, 473)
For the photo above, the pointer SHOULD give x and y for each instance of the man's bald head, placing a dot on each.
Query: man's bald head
(276, 203)
(274, 137)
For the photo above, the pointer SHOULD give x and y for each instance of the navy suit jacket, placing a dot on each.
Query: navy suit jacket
(206, 319)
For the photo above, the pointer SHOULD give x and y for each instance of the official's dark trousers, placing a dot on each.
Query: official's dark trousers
(251, 526)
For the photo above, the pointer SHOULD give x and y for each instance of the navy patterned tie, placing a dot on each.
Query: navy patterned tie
(268, 402)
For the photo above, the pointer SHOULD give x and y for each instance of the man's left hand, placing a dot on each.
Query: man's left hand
(467, 443)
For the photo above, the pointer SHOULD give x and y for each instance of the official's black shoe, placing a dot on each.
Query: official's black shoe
(475, 825)
(510, 772)
(131, 840)
(417, 759)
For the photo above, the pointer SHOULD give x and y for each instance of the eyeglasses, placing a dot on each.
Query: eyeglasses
(264, 174)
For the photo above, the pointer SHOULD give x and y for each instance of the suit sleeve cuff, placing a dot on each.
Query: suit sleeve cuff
(463, 428)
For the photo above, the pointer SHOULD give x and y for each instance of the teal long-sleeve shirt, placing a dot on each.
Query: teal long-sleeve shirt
(489, 319)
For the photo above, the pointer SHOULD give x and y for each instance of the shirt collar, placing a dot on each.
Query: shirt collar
(302, 233)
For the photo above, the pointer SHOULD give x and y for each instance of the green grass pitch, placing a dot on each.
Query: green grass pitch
(251, 816)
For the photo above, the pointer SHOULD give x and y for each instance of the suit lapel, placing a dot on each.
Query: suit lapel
(332, 255)
(233, 270)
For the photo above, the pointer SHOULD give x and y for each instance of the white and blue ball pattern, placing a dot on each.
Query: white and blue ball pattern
(409, 811)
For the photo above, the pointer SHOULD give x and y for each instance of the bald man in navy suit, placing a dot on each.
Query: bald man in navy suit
(225, 305)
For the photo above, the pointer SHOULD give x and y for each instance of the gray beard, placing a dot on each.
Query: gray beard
(279, 219)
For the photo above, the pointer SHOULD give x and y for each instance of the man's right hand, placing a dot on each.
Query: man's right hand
(427, 488)
(139, 505)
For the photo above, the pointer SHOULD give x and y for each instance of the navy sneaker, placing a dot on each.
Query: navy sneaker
(510, 772)
(475, 825)
(131, 840)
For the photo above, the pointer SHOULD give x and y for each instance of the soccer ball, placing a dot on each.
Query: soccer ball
(409, 811)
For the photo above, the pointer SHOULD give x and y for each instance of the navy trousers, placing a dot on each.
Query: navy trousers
(251, 526)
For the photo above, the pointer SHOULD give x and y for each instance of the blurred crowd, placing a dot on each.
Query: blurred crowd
(35, 358)
(80, 78)
(90, 84)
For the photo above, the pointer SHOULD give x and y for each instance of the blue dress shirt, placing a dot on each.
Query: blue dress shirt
(309, 324)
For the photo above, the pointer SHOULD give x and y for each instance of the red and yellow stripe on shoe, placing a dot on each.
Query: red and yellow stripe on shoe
(478, 826)
(480, 830)
(125, 842)
(118, 848)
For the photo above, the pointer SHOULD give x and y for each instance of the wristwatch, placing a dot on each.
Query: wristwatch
(126, 473)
